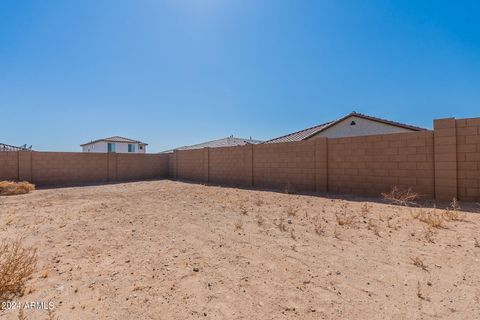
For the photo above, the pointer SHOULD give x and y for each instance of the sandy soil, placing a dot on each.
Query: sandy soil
(172, 250)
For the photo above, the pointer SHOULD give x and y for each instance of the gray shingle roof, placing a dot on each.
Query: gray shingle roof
(309, 132)
(115, 139)
(219, 143)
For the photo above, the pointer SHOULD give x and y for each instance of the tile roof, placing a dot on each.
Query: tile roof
(219, 143)
(309, 132)
(115, 139)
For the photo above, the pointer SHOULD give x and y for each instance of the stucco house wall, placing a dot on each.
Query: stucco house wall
(362, 127)
(120, 147)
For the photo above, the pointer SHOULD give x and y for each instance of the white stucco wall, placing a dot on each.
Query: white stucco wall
(362, 127)
(120, 147)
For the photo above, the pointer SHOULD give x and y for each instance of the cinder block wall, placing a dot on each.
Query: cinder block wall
(73, 168)
(442, 164)
(371, 165)
(468, 158)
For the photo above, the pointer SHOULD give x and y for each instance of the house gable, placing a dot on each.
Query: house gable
(359, 126)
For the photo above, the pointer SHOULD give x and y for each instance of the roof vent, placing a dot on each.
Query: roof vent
(353, 123)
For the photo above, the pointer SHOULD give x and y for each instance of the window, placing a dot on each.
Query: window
(131, 148)
(111, 147)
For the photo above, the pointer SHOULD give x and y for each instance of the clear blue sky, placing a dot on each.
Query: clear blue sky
(178, 72)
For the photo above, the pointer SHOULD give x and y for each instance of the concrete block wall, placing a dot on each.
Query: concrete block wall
(191, 164)
(229, 165)
(72, 168)
(467, 133)
(277, 164)
(370, 165)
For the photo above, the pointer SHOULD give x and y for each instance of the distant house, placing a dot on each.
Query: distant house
(115, 144)
(8, 147)
(224, 142)
(351, 125)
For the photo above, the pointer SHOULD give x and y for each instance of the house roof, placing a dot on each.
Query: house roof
(115, 139)
(309, 132)
(8, 147)
(219, 143)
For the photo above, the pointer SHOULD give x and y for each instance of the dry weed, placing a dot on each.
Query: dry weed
(453, 213)
(291, 211)
(372, 226)
(432, 218)
(401, 197)
(259, 202)
(8, 188)
(243, 210)
(238, 225)
(477, 243)
(17, 264)
(289, 188)
(429, 233)
(336, 233)
(281, 225)
(365, 210)
(419, 292)
(344, 220)
(319, 228)
(51, 315)
(418, 262)
(21, 314)
(260, 220)
(292, 235)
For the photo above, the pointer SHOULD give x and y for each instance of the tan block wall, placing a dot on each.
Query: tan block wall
(62, 168)
(371, 165)
(71, 168)
(277, 164)
(137, 166)
(190, 165)
(468, 158)
(229, 165)
(8, 165)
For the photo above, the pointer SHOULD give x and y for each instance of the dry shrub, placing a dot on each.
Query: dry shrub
(365, 210)
(8, 188)
(260, 220)
(452, 213)
(319, 228)
(291, 211)
(17, 264)
(292, 235)
(259, 202)
(419, 292)
(344, 219)
(477, 243)
(433, 218)
(281, 225)
(289, 188)
(401, 197)
(238, 225)
(243, 210)
(418, 262)
(372, 226)
(429, 234)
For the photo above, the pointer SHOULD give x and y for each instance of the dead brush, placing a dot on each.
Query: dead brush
(238, 225)
(260, 220)
(281, 225)
(373, 227)
(9, 188)
(343, 218)
(243, 210)
(258, 202)
(17, 264)
(432, 218)
(429, 234)
(365, 210)
(319, 228)
(452, 213)
(291, 211)
(289, 188)
(400, 197)
(420, 263)
(419, 292)
(476, 243)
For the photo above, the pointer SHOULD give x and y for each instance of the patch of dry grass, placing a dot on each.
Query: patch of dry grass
(401, 197)
(432, 218)
(289, 188)
(419, 262)
(453, 213)
(17, 264)
(9, 188)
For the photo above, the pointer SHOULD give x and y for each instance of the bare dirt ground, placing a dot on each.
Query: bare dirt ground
(172, 250)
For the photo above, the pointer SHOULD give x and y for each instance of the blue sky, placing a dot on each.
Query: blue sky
(178, 72)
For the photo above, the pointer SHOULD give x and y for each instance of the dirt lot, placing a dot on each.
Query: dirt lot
(172, 250)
